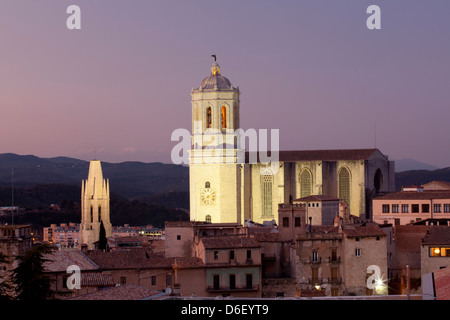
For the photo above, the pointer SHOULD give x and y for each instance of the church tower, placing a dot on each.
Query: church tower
(94, 206)
(215, 168)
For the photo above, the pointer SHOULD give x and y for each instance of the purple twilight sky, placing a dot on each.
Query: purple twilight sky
(312, 69)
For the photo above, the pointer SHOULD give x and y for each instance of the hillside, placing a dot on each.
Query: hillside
(128, 179)
(418, 177)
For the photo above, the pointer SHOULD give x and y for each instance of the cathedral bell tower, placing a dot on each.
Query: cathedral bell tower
(94, 206)
(214, 166)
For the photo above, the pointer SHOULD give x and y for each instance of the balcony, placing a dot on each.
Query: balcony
(254, 287)
(315, 281)
(336, 280)
(315, 260)
(334, 260)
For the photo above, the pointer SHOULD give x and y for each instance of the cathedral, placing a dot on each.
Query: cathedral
(94, 207)
(226, 187)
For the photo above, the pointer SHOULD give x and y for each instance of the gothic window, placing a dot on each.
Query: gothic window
(207, 185)
(209, 118)
(224, 117)
(99, 213)
(305, 183)
(92, 214)
(267, 183)
(344, 185)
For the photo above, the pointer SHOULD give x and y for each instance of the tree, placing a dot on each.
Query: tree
(29, 278)
(102, 241)
(5, 286)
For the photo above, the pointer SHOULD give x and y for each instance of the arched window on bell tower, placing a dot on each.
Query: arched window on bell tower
(305, 183)
(209, 118)
(224, 117)
(207, 185)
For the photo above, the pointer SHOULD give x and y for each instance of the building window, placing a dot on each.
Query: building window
(447, 208)
(358, 252)
(208, 218)
(315, 256)
(297, 222)
(425, 208)
(267, 181)
(437, 208)
(249, 254)
(216, 282)
(123, 280)
(344, 185)
(92, 214)
(285, 222)
(224, 117)
(168, 280)
(231, 254)
(439, 251)
(395, 208)
(207, 185)
(216, 255)
(208, 118)
(249, 280)
(305, 183)
(385, 208)
(405, 208)
(153, 280)
(414, 208)
(232, 281)
(178, 237)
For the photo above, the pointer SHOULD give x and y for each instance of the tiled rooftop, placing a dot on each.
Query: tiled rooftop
(125, 292)
(437, 235)
(413, 195)
(363, 231)
(324, 155)
(96, 279)
(59, 261)
(129, 259)
(230, 242)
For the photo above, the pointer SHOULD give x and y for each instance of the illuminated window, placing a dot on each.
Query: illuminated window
(305, 183)
(267, 182)
(439, 251)
(437, 208)
(224, 117)
(344, 185)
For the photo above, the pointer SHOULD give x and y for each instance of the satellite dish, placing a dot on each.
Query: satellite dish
(168, 290)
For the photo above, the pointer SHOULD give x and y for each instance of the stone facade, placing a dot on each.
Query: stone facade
(229, 185)
(94, 206)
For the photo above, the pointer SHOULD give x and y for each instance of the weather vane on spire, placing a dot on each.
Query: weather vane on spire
(214, 56)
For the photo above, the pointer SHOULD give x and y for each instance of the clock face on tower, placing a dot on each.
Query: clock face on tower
(208, 196)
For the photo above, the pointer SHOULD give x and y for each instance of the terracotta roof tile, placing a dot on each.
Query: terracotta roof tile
(59, 261)
(325, 155)
(230, 242)
(317, 198)
(364, 231)
(187, 263)
(129, 259)
(442, 283)
(96, 279)
(437, 235)
(413, 195)
(125, 292)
